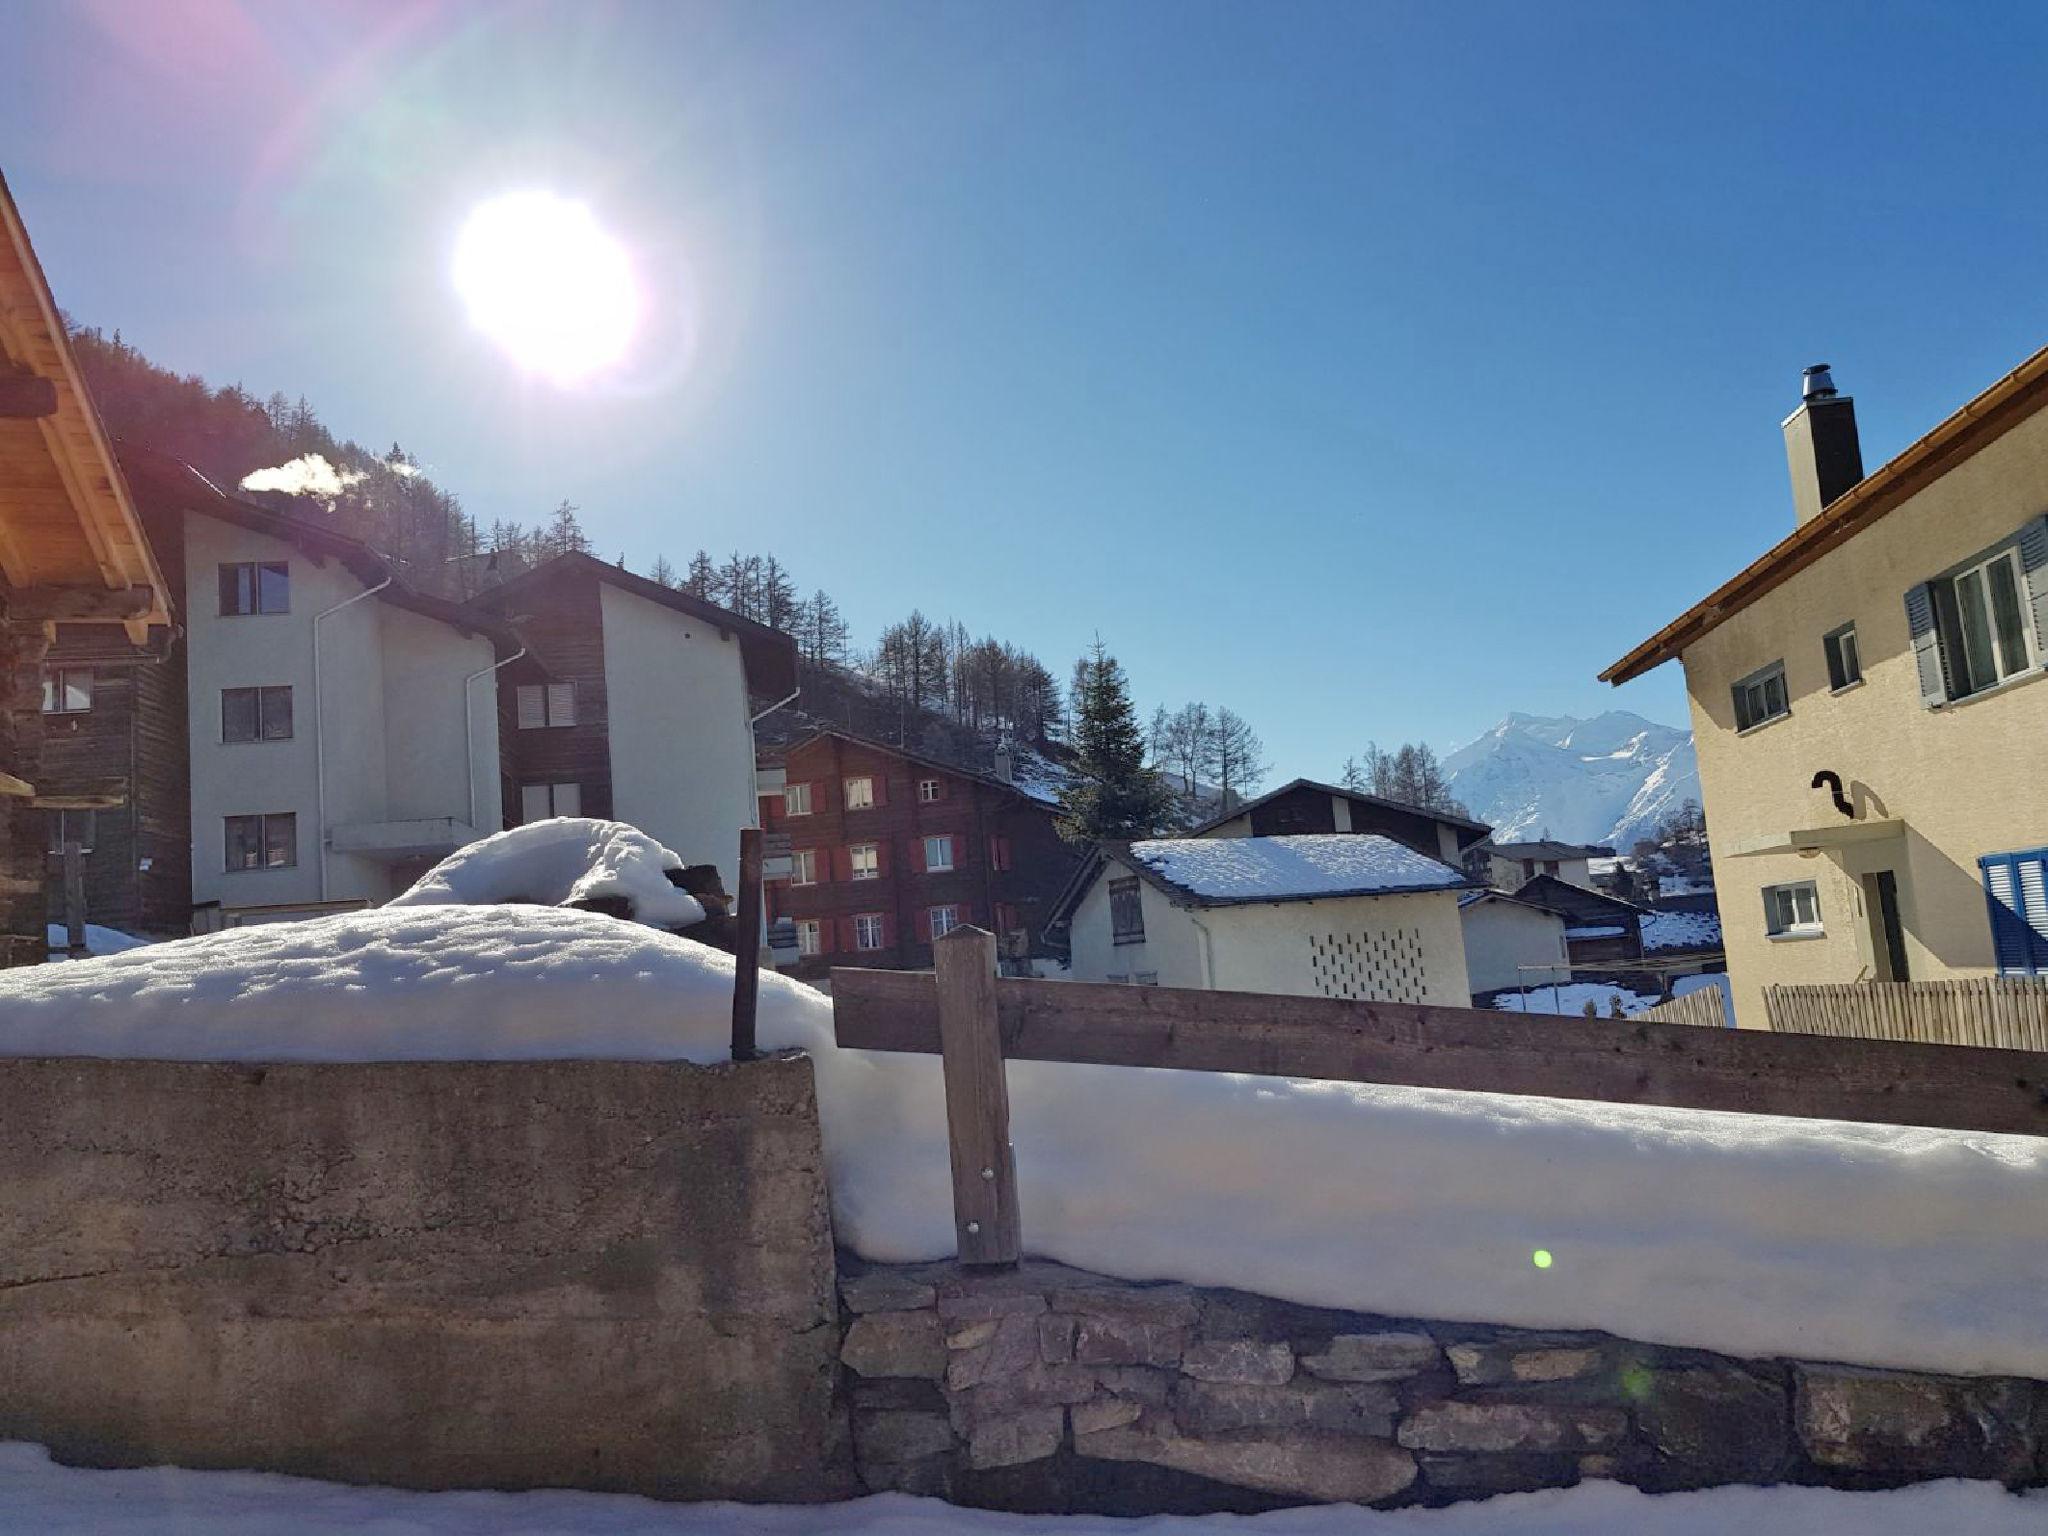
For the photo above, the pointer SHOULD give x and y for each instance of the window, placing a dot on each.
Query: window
(263, 842)
(2016, 890)
(1791, 910)
(71, 827)
(860, 794)
(865, 861)
(1760, 697)
(810, 939)
(1126, 912)
(1980, 623)
(938, 854)
(1845, 664)
(796, 800)
(255, 714)
(1006, 918)
(541, 706)
(255, 586)
(537, 802)
(1146, 979)
(803, 866)
(930, 790)
(67, 690)
(944, 920)
(867, 931)
(998, 853)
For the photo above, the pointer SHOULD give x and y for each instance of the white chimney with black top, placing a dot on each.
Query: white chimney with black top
(1821, 448)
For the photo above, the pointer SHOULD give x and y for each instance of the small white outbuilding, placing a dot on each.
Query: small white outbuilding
(1318, 915)
(1510, 943)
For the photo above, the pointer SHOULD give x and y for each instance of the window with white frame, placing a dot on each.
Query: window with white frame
(1845, 661)
(860, 794)
(1760, 697)
(928, 790)
(1792, 910)
(867, 931)
(944, 920)
(803, 866)
(545, 705)
(1981, 623)
(67, 690)
(796, 800)
(537, 802)
(810, 938)
(864, 860)
(938, 853)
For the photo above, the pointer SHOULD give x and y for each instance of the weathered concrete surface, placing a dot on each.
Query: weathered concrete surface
(610, 1275)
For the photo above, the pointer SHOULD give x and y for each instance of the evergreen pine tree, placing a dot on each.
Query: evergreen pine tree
(1112, 794)
(703, 578)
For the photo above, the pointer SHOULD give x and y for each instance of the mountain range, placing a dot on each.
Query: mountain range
(1609, 779)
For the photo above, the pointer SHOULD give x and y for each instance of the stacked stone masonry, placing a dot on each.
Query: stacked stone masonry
(1047, 1388)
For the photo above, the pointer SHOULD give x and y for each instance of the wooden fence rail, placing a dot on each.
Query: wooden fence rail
(976, 1022)
(2008, 1012)
(1703, 1008)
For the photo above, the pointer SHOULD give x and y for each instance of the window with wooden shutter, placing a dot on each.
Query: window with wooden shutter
(796, 800)
(941, 921)
(998, 853)
(1126, 912)
(864, 861)
(2016, 893)
(810, 939)
(534, 803)
(930, 791)
(533, 706)
(1983, 622)
(869, 931)
(938, 854)
(561, 704)
(860, 794)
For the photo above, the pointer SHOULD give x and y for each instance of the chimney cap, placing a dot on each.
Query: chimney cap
(1817, 383)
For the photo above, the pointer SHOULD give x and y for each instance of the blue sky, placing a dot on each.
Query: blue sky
(1372, 370)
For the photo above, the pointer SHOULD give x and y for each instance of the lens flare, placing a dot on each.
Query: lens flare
(549, 284)
(1541, 1258)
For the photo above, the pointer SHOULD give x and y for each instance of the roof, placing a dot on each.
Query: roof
(166, 486)
(1567, 899)
(1981, 422)
(769, 654)
(1247, 871)
(1473, 898)
(67, 522)
(1546, 849)
(1038, 790)
(1681, 931)
(1245, 806)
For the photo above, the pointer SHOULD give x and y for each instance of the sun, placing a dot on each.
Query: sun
(548, 283)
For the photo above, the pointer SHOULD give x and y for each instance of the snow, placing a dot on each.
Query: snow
(1681, 930)
(1283, 868)
(1603, 931)
(559, 862)
(37, 1495)
(1752, 1236)
(1038, 777)
(1607, 780)
(98, 940)
(1571, 997)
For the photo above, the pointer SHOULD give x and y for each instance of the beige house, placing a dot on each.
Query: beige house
(1509, 866)
(1344, 914)
(1862, 697)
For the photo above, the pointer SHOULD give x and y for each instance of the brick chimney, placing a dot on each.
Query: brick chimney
(1821, 448)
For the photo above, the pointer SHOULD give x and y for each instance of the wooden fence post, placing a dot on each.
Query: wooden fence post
(74, 900)
(977, 1100)
(746, 980)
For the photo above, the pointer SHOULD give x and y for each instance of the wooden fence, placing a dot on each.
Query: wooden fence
(975, 1022)
(1703, 1008)
(2009, 1012)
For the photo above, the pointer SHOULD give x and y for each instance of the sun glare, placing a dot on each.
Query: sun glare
(548, 283)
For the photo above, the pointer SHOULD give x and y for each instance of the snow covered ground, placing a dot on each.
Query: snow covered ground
(98, 940)
(64, 1501)
(1571, 998)
(1751, 1236)
(555, 862)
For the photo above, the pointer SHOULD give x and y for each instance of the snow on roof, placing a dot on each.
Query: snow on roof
(558, 863)
(1743, 1234)
(1298, 868)
(1681, 930)
(1038, 777)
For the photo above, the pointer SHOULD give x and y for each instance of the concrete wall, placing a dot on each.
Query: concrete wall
(1957, 776)
(430, 722)
(1172, 948)
(1503, 936)
(578, 1274)
(682, 751)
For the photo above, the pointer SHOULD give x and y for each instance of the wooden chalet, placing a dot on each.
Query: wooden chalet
(1306, 805)
(1598, 929)
(72, 550)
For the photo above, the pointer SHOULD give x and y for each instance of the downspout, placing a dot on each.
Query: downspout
(320, 727)
(1208, 950)
(753, 756)
(469, 728)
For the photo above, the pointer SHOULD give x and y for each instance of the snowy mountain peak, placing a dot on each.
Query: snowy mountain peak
(1608, 779)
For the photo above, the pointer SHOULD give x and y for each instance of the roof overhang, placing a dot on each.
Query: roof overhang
(72, 548)
(1840, 834)
(1985, 419)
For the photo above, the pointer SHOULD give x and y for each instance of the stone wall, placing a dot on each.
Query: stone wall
(1049, 1388)
(608, 1275)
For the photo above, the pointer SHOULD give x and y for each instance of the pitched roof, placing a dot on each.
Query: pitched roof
(769, 654)
(1472, 898)
(1245, 806)
(1681, 931)
(1037, 791)
(1544, 848)
(1985, 419)
(1567, 899)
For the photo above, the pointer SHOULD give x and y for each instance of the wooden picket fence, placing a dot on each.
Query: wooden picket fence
(2008, 1012)
(976, 1022)
(1703, 1008)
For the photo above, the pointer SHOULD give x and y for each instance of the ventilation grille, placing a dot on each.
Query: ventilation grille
(1380, 967)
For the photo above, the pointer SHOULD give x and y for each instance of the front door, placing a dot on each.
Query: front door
(1887, 933)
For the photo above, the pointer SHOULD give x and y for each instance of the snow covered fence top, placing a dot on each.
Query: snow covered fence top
(1225, 870)
(558, 863)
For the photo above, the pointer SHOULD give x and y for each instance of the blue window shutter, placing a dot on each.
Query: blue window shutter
(2016, 895)
(2033, 542)
(1926, 645)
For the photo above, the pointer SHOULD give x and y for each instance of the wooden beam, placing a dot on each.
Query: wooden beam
(26, 397)
(1614, 1061)
(95, 795)
(18, 789)
(60, 605)
(746, 977)
(985, 1219)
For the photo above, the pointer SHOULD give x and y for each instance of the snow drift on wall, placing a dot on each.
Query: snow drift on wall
(1607, 780)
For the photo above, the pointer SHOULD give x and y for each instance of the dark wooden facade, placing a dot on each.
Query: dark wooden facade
(1307, 806)
(1590, 915)
(1008, 862)
(560, 622)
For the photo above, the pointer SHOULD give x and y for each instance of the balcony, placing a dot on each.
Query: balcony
(391, 842)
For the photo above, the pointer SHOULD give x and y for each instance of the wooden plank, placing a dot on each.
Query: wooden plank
(963, 994)
(746, 981)
(28, 605)
(26, 397)
(74, 900)
(1616, 1061)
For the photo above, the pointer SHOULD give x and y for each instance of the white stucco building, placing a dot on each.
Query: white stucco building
(1352, 915)
(1510, 943)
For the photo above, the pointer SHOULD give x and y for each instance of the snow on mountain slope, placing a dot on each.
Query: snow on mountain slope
(1609, 779)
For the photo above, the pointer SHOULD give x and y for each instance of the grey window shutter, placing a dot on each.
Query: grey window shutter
(2033, 542)
(1926, 644)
